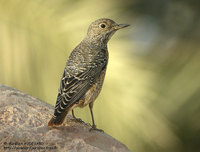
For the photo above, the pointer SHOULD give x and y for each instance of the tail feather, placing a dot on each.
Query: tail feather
(57, 121)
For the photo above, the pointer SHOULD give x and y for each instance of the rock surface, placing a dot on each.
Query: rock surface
(23, 127)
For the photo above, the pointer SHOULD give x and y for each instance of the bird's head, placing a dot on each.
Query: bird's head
(102, 29)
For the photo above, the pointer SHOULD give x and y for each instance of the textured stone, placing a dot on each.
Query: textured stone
(23, 127)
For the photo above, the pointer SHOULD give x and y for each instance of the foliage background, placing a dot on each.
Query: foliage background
(150, 99)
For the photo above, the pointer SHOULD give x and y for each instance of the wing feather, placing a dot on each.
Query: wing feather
(74, 86)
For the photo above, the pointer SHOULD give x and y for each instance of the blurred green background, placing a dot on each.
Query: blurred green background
(151, 95)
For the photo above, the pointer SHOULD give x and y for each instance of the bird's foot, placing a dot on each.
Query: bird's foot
(94, 128)
(78, 120)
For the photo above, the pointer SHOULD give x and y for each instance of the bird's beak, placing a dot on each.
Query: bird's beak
(120, 26)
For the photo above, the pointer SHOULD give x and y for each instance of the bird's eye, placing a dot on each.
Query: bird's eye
(102, 25)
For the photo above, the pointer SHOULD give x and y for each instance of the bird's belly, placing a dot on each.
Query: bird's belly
(93, 92)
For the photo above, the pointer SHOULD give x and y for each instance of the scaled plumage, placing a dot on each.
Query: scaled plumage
(85, 69)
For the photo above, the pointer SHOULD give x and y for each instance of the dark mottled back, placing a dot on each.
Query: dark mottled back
(84, 69)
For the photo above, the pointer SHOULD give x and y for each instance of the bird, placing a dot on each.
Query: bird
(84, 72)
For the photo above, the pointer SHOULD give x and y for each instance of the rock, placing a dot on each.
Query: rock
(23, 127)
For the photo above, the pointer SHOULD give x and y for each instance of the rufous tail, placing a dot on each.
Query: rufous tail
(57, 121)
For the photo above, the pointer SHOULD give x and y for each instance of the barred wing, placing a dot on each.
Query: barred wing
(74, 87)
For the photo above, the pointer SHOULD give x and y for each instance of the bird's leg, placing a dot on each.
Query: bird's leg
(76, 119)
(73, 114)
(93, 123)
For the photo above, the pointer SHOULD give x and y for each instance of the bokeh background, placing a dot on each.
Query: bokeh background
(151, 96)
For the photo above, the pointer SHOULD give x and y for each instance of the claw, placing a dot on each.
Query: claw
(94, 128)
(78, 120)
